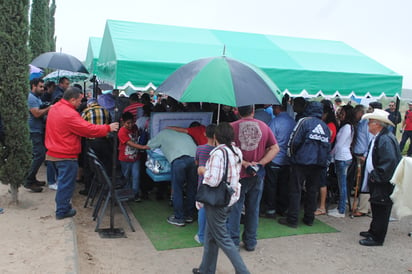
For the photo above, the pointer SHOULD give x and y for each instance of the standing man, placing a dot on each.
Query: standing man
(259, 147)
(64, 83)
(64, 130)
(394, 116)
(97, 115)
(381, 162)
(36, 127)
(309, 149)
(180, 150)
(134, 107)
(407, 130)
(275, 194)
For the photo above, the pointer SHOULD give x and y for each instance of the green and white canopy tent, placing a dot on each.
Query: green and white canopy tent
(136, 54)
(93, 51)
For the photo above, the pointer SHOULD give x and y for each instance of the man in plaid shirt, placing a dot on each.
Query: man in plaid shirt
(96, 114)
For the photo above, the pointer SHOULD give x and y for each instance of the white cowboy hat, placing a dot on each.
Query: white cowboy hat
(380, 115)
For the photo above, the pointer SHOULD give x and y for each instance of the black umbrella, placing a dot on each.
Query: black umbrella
(58, 60)
(103, 86)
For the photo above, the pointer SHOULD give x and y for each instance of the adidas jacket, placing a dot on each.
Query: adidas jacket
(309, 142)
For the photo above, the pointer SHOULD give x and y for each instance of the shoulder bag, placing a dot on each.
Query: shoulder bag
(220, 195)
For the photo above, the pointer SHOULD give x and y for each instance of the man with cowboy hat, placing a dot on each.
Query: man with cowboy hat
(383, 157)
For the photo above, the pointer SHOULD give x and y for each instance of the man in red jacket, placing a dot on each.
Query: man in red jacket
(64, 130)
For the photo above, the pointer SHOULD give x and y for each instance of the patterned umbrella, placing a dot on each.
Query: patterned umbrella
(72, 76)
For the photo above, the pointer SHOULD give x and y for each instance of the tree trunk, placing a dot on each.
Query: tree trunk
(14, 191)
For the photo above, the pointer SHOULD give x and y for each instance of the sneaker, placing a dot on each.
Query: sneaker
(34, 188)
(333, 211)
(189, 220)
(2, 210)
(39, 183)
(197, 239)
(174, 221)
(53, 186)
(249, 248)
(270, 214)
(84, 192)
(69, 214)
(137, 198)
(336, 214)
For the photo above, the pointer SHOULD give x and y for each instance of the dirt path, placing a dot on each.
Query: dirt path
(33, 241)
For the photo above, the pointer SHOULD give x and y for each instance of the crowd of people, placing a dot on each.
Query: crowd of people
(274, 154)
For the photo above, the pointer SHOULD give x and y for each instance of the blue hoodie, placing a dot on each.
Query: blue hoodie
(309, 141)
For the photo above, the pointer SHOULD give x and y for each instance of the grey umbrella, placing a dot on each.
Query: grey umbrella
(59, 60)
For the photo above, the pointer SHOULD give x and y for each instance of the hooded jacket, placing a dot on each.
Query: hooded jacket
(309, 141)
(64, 129)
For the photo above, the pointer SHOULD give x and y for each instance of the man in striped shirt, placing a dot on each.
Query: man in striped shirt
(135, 107)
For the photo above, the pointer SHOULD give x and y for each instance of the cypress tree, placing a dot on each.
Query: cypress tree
(14, 92)
(52, 38)
(39, 28)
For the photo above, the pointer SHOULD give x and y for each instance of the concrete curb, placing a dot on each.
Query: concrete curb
(72, 258)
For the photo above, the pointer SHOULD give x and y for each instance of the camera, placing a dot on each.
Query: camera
(252, 169)
(45, 105)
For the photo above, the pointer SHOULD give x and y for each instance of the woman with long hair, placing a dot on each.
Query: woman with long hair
(216, 234)
(343, 156)
(330, 120)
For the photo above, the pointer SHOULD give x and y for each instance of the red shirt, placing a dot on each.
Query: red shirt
(408, 120)
(198, 134)
(253, 137)
(126, 152)
(333, 131)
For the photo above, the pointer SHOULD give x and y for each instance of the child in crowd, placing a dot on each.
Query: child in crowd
(202, 155)
(128, 153)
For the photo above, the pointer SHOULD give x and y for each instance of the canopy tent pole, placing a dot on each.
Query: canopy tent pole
(398, 102)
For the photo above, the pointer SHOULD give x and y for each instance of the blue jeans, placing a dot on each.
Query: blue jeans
(67, 172)
(51, 172)
(201, 222)
(39, 154)
(250, 195)
(217, 237)
(341, 169)
(184, 173)
(131, 171)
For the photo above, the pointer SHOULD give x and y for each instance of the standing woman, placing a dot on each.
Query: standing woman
(329, 118)
(343, 156)
(216, 234)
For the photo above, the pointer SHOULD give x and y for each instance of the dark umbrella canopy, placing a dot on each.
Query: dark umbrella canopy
(58, 60)
(221, 80)
(103, 86)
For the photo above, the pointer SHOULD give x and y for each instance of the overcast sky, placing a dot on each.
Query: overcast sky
(377, 28)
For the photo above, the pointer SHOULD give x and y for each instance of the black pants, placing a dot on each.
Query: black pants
(380, 221)
(276, 189)
(300, 174)
(103, 148)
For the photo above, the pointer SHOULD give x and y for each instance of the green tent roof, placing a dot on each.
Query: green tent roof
(93, 51)
(142, 53)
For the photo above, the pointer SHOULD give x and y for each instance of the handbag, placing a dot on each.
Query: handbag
(219, 195)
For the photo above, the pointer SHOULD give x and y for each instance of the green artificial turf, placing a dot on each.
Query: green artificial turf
(152, 214)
